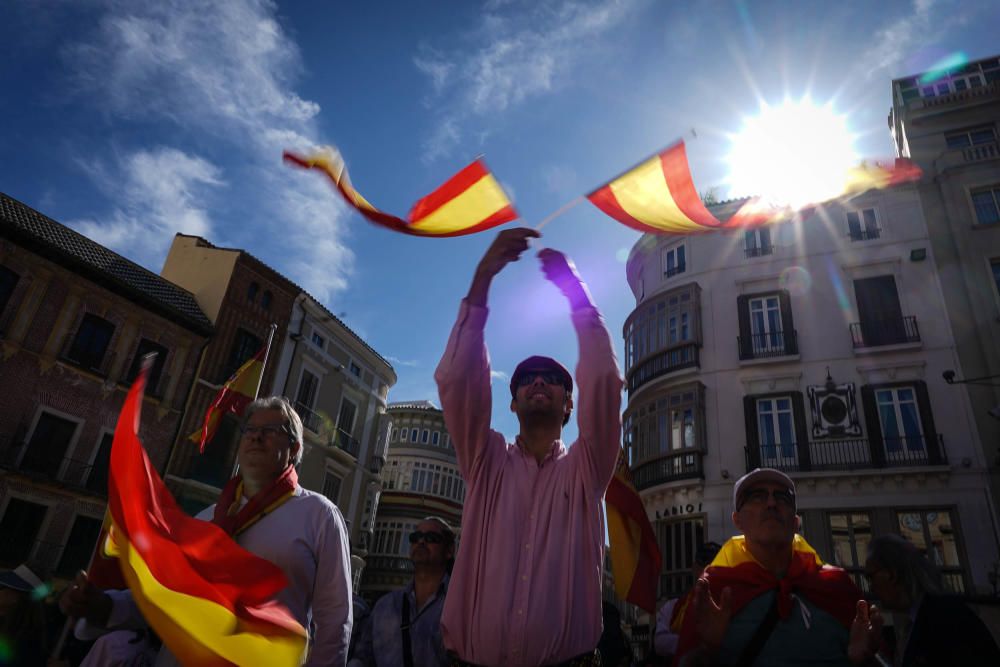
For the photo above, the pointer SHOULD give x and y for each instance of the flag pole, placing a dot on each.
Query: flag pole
(563, 209)
(256, 392)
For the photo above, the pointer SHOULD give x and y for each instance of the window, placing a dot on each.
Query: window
(318, 340)
(863, 225)
(147, 346)
(395, 435)
(776, 431)
(851, 532)
(245, 345)
(986, 202)
(435, 438)
(305, 399)
(900, 424)
(413, 435)
(424, 436)
(97, 481)
(355, 370)
(674, 261)
(661, 335)
(265, 300)
(666, 425)
(49, 442)
(975, 136)
(345, 420)
(766, 327)
(91, 342)
(252, 292)
(933, 532)
(995, 268)
(402, 434)
(757, 242)
(678, 542)
(882, 321)
(79, 545)
(20, 526)
(331, 487)
(899, 419)
(8, 281)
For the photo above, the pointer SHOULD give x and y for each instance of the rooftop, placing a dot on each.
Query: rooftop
(59, 243)
(413, 405)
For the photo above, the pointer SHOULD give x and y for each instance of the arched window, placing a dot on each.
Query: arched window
(252, 292)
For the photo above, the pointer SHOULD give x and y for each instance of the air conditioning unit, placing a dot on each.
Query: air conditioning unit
(834, 411)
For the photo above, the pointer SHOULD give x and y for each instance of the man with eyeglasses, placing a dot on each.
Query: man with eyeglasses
(527, 583)
(768, 599)
(404, 629)
(266, 511)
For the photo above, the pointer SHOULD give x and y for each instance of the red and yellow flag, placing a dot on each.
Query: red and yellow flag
(209, 600)
(469, 202)
(234, 397)
(635, 556)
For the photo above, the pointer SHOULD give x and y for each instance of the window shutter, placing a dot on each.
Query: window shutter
(873, 426)
(743, 314)
(801, 430)
(753, 437)
(787, 324)
(934, 454)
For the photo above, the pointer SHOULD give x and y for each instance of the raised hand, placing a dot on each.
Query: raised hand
(82, 599)
(560, 270)
(866, 633)
(711, 618)
(506, 248)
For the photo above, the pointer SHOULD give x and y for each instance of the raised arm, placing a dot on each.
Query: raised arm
(598, 413)
(463, 375)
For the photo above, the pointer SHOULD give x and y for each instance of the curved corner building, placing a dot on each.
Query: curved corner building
(815, 346)
(420, 478)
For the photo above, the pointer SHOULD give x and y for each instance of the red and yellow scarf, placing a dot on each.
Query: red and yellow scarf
(234, 520)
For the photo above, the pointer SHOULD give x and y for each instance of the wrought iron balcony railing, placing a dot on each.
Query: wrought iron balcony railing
(346, 441)
(661, 363)
(674, 270)
(758, 250)
(888, 331)
(39, 462)
(851, 454)
(866, 234)
(311, 420)
(768, 345)
(684, 464)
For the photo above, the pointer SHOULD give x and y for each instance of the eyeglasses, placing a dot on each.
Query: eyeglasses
(264, 429)
(430, 537)
(548, 377)
(760, 496)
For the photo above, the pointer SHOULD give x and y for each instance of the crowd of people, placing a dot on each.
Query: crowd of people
(525, 588)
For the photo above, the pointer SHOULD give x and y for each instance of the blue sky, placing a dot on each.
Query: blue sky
(131, 121)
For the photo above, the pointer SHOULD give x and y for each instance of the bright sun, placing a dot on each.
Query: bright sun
(794, 154)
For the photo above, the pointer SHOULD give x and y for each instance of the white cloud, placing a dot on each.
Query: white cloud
(409, 363)
(218, 75)
(524, 52)
(500, 376)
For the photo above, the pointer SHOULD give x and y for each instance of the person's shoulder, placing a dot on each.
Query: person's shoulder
(389, 602)
(315, 502)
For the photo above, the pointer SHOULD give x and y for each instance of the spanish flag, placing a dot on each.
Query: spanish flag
(635, 556)
(470, 201)
(235, 395)
(208, 599)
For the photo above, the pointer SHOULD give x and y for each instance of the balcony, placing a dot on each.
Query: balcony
(852, 454)
(311, 420)
(758, 251)
(670, 468)
(867, 234)
(41, 464)
(961, 97)
(391, 563)
(876, 333)
(674, 270)
(768, 345)
(345, 441)
(661, 363)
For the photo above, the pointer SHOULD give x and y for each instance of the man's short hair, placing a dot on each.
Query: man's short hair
(759, 476)
(914, 572)
(292, 419)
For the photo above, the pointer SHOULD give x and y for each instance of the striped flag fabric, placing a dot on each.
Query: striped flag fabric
(209, 600)
(470, 201)
(635, 556)
(240, 389)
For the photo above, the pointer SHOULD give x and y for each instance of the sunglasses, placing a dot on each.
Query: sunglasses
(760, 496)
(548, 377)
(430, 537)
(265, 429)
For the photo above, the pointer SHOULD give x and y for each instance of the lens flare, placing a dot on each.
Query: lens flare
(797, 280)
(940, 69)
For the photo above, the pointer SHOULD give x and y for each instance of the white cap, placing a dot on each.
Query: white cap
(758, 475)
(20, 579)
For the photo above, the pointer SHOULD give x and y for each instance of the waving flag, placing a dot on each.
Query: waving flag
(208, 599)
(635, 556)
(469, 202)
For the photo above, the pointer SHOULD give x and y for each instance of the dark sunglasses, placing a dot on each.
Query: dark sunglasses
(760, 496)
(430, 537)
(548, 377)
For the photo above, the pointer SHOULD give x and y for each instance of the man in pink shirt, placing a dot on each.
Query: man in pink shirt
(526, 589)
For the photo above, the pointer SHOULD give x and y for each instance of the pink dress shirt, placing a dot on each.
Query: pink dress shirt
(526, 589)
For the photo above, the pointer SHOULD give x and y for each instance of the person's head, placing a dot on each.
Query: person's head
(899, 573)
(271, 439)
(541, 390)
(432, 544)
(764, 508)
(21, 593)
(703, 557)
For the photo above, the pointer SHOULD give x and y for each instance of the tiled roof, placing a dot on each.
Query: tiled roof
(413, 405)
(61, 244)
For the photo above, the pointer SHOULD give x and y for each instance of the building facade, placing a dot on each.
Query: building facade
(948, 122)
(420, 479)
(339, 385)
(816, 346)
(75, 321)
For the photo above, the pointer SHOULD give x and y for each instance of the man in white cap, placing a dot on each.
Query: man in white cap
(768, 599)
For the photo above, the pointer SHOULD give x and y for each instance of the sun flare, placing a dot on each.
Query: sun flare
(792, 155)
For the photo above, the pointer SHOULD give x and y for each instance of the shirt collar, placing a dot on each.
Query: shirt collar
(556, 451)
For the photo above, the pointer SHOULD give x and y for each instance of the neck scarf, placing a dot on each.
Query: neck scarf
(234, 520)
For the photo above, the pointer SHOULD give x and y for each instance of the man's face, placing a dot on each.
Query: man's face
(884, 586)
(766, 514)
(541, 393)
(430, 548)
(266, 448)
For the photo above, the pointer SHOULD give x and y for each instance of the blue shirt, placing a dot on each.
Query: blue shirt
(381, 641)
